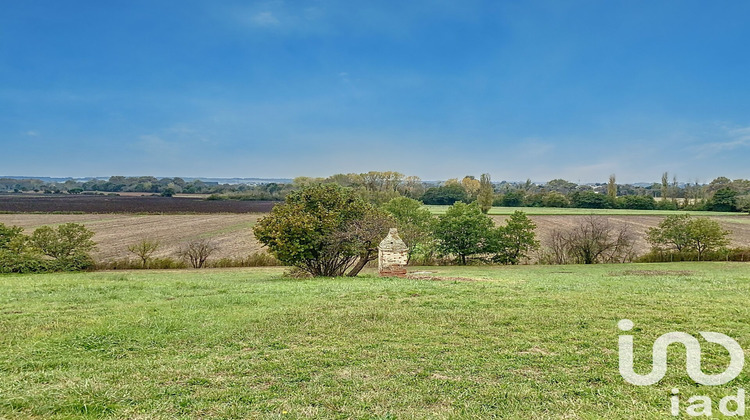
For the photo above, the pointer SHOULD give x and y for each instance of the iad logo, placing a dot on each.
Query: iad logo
(693, 364)
(701, 405)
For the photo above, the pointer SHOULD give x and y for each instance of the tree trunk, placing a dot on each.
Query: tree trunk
(361, 263)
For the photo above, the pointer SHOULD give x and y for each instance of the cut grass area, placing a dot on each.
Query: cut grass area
(554, 211)
(466, 342)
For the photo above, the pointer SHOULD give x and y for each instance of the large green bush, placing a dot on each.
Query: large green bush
(467, 233)
(684, 234)
(63, 249)
(325, 230)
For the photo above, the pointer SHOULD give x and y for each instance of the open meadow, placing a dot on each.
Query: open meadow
(475, 342)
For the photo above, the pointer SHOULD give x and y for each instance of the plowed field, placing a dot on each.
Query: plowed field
(234, 237)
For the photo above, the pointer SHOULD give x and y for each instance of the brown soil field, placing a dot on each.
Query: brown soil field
(113, 233)
(233, 234)
(28, 203)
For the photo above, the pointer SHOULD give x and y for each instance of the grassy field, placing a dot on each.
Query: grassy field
(553, 211)
(476, 342)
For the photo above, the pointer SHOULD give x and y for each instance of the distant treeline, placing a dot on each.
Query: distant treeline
(721, 194)
(146, 185)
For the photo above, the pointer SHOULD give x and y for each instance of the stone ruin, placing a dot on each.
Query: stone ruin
(393, 255)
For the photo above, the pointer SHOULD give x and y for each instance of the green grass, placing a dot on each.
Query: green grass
(553, 211)
(516, 342)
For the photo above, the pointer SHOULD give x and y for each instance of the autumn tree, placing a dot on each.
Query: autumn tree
(471, 185)
(612, 188)
(486, 193)
(664, 185)
(412, 187)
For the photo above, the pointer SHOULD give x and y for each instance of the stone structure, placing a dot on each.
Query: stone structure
(393, 255)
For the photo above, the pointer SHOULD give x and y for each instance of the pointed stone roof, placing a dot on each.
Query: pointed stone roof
(392, 242)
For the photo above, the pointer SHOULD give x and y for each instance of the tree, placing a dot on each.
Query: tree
(638, 202)
(324, 230)
(664, 186)
(463, 231)
(16, 255)
(724, 199)
(62, 249)
(413, 221)
(513, 198)
(743, 203)
(672, 232)
(612, 187)
(719, 183)
(590, 200)
(197, 252)
(682, 233)
(707, 235)
(561, 186)
(8, 235)
(445, 195)
(412, 187)
(364, 236)
(144, 250)
(486, 193)
(471, 185)
(594, 240)
(555, 199)
(516, 239)
(67, 241)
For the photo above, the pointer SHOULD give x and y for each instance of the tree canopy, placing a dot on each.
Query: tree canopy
(682, 233)
(325, 230)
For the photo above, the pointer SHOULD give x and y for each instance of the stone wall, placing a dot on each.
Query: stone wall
(393, 254)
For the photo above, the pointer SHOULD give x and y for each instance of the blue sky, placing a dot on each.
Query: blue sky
(520, 89)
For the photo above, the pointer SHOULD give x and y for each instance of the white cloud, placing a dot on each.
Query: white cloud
(730, 139)
(265, 18)
(31, 133)
(154, 144)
